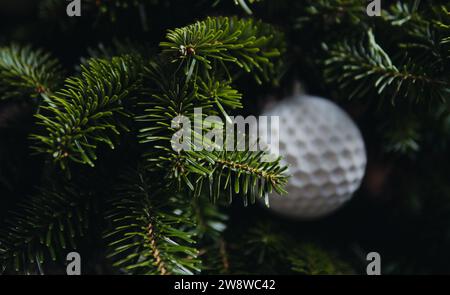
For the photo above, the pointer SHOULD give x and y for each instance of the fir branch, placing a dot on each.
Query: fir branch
(220, 92)
(444, 26)
(27, 73)
(260, 248)
(311, 259)
(171, 97)
(400, 13)
(402, 133)
(90, 110)
(152, 233)
(330, 13)
(46, 227)
(271, 249)
(250, 45)
(210, 220)
(119, 48)
(240, 173)
(174, 96)
(417, 33)
(367, 66)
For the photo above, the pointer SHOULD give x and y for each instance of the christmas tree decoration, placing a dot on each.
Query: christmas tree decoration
(325, 153)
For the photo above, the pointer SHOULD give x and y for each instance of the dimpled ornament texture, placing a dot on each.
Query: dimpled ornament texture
(325, 153)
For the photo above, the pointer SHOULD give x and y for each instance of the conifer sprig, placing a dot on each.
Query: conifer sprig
(237, 173)
(369, 68)
(27, 73)
(329, 14)
(152, 232)
(90, 110)
(48, 225)
(154, 221)
(245, 43)
(311, 259)
(217, 171)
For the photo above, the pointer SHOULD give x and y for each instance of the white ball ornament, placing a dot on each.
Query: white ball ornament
(325, 153)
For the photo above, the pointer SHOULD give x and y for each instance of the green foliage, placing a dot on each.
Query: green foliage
(92, 109)
(403, 135)
(47, 227)
(238, 173)
(397, 65)
(269, 248)
(112, 7)
(27, 73)
(242, 3)
(245, 43)
(369, 68)
(173, 95)
(170, 96)
(220, 92)
(161, 221)
(311, 259)
(258, 249)
(445, 26)
(123, 4)
(331, 13)
(265, 245)
(152, 232)
(119, 48)
(219, 171)
(211, 221)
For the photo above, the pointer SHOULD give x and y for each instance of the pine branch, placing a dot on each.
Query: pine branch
(417, 32)
(367, 66)
(45, 228)
(250, 45)
(92, 109)
(119, 48)
(27, 73)
(171, 96)
(259, 248)
(444, 26)
(211, 221)
(310, 259)
(330, 13)
(270, 248)
(235, 173)
(402, 133)
(174, 96)
(220, 92)
(152, 233)
(400, 13)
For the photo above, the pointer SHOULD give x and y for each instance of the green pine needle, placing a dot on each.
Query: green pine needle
(90, 110)
(245, 43)
(152, 232)
(47, 227)
(368, 69)
(27, 73)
